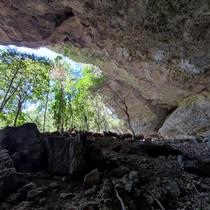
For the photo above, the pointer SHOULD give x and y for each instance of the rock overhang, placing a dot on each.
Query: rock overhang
(155, 52)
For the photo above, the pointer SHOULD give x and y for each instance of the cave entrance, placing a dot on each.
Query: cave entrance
(53, 91)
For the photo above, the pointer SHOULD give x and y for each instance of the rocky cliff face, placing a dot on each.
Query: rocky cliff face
(154, 52)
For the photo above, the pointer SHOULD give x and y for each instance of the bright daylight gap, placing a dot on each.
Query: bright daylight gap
(53, 91)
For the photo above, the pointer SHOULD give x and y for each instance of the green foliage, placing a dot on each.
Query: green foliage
(74, 97)
(34, 89)
(23, 80)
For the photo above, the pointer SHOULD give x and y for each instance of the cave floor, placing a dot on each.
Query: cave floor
(137, 175)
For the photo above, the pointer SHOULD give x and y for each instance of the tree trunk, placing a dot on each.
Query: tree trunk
(86, 122)
(18, 112)
(6, 97)
(60, 120)
(20, 103)
(45, 111)
(124, 107)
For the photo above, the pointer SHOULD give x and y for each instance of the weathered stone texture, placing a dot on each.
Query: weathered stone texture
(155, 51)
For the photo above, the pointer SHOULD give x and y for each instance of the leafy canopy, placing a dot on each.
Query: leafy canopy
(49, 93)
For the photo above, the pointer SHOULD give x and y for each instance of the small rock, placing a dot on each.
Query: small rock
(92, 178)
(4, 206)
(119, 172)
(107, 189)
(149, 199)
(55, 190)
(107, 201)
(64, 179)
(68, 206)
(90, 191)
(107, 206)
(1, 188)
(86, 207)
(42, 200)
(133, 176)
(206, 187)
(173, 189)
(93, 203)
(27, 188)
(132, 205)
(66, 195)
(188, 203)
(53, 185)
(126, 136)
(14, 197)
(161, 158)
(129, 186)
(45, 188)
(91, 138)
(24, 205)
(34, 193)
(130, 181)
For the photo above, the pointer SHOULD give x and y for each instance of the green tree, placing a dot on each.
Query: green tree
(51, 94)
(24, 79)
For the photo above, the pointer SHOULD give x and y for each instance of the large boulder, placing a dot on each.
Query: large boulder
(8, 175)
(65, 156)
(25, 146)
(191, 119)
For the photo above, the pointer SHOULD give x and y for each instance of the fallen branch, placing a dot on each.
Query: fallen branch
(158, 202)
(200, 194)
(196, 190)
(119, 198)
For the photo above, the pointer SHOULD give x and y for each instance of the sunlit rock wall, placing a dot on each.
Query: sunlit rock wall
(155, 52)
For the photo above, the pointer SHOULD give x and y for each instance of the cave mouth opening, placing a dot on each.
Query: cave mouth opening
(53, 91)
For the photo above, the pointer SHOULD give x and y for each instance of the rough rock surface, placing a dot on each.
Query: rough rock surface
(134, 175)
(8, 174)
(155, 53)
(190, 119)
(65, 156)
(25, 146)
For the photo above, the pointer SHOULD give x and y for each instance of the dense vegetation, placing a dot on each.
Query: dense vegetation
(51, 94)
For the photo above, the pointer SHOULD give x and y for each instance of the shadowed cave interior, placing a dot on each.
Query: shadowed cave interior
(118, 119)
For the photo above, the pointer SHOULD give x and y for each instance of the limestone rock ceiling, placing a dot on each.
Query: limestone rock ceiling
(157, 52)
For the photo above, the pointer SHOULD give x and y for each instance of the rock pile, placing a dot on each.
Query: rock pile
(107, 173)
(8, 174)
